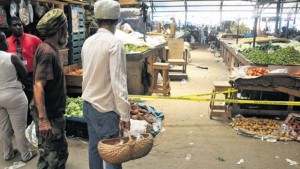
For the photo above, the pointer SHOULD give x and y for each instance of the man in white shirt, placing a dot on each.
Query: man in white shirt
(106, 107)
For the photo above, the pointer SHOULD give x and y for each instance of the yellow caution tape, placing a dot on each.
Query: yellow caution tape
(229, 91)
(142, 97)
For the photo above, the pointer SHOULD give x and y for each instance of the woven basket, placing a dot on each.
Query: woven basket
(111, 151)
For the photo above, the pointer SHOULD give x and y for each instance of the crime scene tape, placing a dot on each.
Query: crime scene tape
(193, 98)
(230, 90)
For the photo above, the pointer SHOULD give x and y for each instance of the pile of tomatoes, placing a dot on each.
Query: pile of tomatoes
(257, 71)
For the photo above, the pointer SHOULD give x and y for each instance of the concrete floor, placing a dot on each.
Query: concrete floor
(188, 131)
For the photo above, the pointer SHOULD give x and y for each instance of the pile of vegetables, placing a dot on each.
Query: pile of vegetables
(288, 55)
(263, 127)
(76, 72)
(270, 54)
(134, 48)
(74, 107)
(257, 71)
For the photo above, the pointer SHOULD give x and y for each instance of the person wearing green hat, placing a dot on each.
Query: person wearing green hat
(106, 107)
(50, 91)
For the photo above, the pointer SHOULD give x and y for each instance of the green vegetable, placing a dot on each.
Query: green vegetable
(74, 107)
(133, 48)
(272, 54)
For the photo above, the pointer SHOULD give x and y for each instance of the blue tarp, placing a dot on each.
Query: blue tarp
(158, 115)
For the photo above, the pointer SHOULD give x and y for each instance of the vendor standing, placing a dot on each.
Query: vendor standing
(23, 45)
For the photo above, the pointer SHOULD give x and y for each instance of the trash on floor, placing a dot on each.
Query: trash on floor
(188, 157)
(241, 161)
(183, 81)
(16, 165)
(291, 162)
(221, 159)
(202, 67)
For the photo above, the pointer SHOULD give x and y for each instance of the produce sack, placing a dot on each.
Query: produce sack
(40, 10)
(23, 13)
(3, 19)
(30, 11)
(13, 8)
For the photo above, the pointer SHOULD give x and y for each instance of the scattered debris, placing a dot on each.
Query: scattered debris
(221, 159)
(202, 67)
(271, 140)
(188, 157)
(191, 132)
(241, 161)
(291, 162)
(191, 144)
(16, 165)
(183, 81)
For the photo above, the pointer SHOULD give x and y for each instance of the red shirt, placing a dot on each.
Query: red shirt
(29, 44)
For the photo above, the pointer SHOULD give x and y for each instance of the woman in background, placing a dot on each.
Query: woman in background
(13, 105)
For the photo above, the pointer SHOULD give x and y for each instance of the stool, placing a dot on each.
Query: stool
(218, 110)
(165, 87)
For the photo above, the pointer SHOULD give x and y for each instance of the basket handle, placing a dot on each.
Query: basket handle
(128, 133)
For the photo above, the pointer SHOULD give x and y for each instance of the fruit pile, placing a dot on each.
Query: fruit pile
(296, 74)
(263, 127)
(257, 71)
(76, 72)
(138, 113)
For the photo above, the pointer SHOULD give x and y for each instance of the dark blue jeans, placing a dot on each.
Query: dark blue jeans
(100, 126)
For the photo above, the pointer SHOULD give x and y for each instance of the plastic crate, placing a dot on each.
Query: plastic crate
(76, 31)
(76, 127)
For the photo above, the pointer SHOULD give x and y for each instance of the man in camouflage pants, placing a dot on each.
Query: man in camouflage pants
(50, 91)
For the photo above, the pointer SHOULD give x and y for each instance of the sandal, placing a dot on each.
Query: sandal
(32, 155)
(14, 154)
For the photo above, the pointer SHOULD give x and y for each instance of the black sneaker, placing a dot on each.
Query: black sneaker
(14, 154)
(32, 155)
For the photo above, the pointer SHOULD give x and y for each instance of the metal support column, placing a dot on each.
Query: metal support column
(185, 19)
(221, 12)
(277, 17)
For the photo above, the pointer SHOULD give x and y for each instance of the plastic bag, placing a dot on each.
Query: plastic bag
(30, 11)
(138, 127)
(23, 13)
(40, 10)
(13, 8)
(30, 134)
(3, 19)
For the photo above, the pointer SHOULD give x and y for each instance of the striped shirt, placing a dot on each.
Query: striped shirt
(104, 74)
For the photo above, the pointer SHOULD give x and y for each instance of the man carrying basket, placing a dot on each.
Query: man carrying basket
(106, 107)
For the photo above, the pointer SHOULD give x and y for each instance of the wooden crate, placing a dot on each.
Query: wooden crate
(71, 80)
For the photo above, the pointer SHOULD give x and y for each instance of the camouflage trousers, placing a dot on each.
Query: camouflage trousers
(54, 150)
